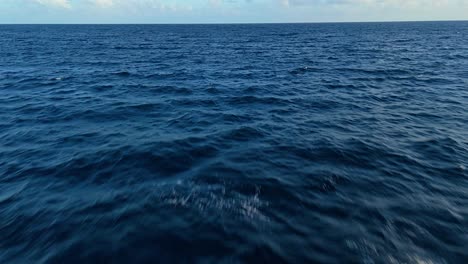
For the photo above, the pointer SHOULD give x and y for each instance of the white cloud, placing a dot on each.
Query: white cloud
(55, 3)
(369, 2)
(133, 5)
(261, 10)
(179, 4)
(104, 3)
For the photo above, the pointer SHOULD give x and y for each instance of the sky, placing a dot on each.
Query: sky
(227, 11)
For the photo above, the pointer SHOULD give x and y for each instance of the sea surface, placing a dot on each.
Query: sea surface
(266, 143)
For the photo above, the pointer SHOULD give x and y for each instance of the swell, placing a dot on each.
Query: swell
(234, 143)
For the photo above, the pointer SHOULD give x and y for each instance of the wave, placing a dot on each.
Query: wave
(234, 143)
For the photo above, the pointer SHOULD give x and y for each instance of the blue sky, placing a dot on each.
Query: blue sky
(227, 11)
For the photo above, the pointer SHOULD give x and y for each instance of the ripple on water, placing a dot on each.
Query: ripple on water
(234, 143)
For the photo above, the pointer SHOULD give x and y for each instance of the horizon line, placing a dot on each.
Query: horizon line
(248, 23)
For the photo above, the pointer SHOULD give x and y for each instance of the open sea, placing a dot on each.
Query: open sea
(248, 143)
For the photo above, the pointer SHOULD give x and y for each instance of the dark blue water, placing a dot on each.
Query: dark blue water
(306, 143)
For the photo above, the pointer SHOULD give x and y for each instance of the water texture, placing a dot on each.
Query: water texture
(286, 143)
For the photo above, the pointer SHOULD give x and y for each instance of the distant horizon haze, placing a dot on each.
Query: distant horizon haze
(242, 23)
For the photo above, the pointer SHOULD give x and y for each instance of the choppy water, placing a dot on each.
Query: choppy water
(331, 143)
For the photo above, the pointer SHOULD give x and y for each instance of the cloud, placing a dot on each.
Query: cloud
(258, 10)
(401, 3)
(145, 6)
(140, 4)
(55, 3)
(104, 3)
(179, 4)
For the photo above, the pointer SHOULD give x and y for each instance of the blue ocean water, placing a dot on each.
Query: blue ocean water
(284, 143)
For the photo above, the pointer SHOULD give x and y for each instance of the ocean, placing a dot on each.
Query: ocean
(243, 143)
